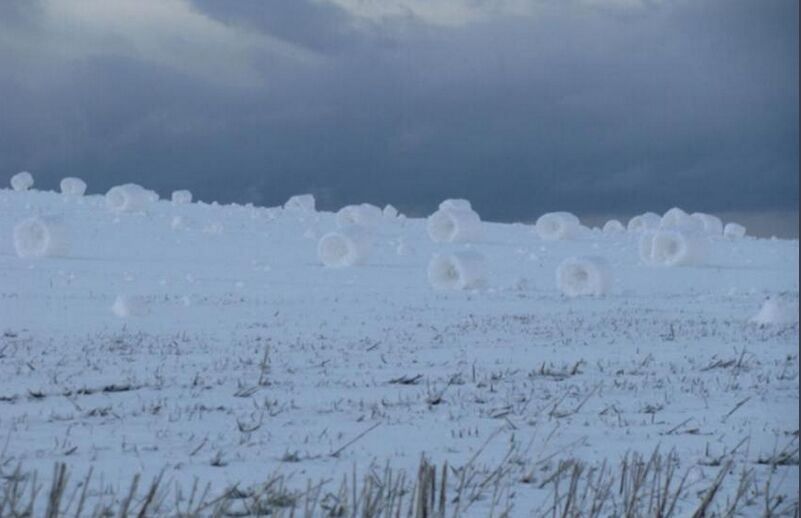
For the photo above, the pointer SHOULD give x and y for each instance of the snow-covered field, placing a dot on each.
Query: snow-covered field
(209, 343)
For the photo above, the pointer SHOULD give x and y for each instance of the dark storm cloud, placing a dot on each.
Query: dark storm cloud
(592, 109)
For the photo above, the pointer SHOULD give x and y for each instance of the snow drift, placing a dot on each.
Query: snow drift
(457, 271)
(644, 222)
(347, 246)
(365, 215)
(582, 276)
(22, 181)
(41, 236)
(129, 197)
(672, 248)
(72, 186)
(557, 226)
(181, 197)
(452, 225)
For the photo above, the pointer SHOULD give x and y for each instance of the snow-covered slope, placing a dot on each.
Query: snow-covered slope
(211, 342)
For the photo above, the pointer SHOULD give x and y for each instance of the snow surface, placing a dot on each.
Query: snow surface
(252, 356)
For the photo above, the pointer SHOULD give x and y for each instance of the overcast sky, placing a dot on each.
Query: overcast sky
(523, 106)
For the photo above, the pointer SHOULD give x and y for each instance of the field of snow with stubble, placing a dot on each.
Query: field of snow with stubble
(208, 345)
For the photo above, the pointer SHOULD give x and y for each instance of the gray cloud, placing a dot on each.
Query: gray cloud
(318, 26)
(594, 109)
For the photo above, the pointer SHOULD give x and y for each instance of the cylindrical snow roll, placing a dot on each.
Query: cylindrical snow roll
(403, 247)
(646, 244)
(777, 311)
(126, 306)
(348, 246)
(733, 231)
(181, 197)
(22, 181)
(644, 222)
(677, 219)
(557, 225)
(41, 236)
(301, 203)
(129, 197)
(72, 186)
(179, 223)
(454, 226)
(613, 227)
(582, 276)
(710, 225)
(347, 215)
(457, 271)
(390, 212)
(674, 248)
(456, 203)
(673, 218)
(365, 215)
